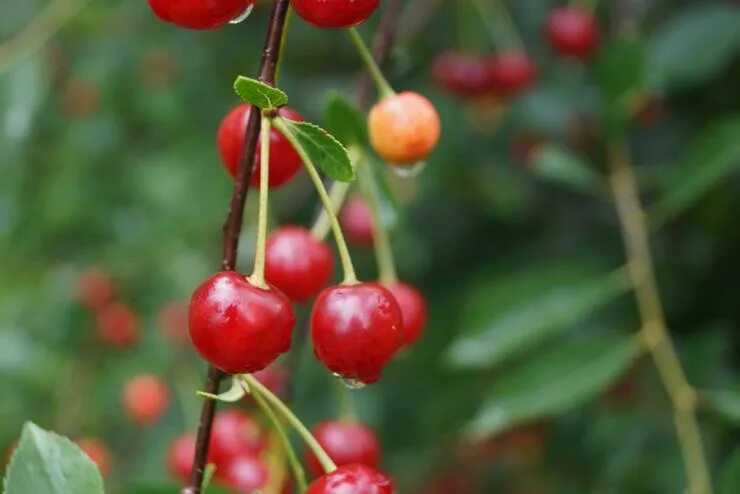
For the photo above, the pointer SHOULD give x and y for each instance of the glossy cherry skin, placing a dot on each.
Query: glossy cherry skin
(118, 325)
(297, 263)
(238, 327)
(404, 129)
(356, 330)
(413, 310)
(145, 398)
(98, 452)
(357, 221)
(346, 442)
(353, 479)
(572, 31)
(199, 14)
(180, 456)
(95, 288)
(235, 433)
(245, 474)
(284, 161)
(513, 72)
(335, 13)
(464, 74)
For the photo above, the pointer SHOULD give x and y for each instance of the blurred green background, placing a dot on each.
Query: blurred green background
(108, 158)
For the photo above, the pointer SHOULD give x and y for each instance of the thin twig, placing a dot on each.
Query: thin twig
(232, 230)
(654, 329)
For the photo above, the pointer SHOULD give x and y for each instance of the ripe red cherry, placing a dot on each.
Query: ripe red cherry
(94, 288)
(413, 310)
(572, 31)
(234, 433)
(117, 325)
(346, 442)
(173, 322)
(237, 326)
(464, 74)
(145, 398)
(335, 13)
(199, 14)
(180, 456)
(284, 161)
(98, 452)
(353, 479)
(245, 474)
(356, 330)
(297, 263)
(513, 72)
(357, 221)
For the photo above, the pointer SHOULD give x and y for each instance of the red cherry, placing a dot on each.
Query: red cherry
(145, 398)
(237, 326)
(335, 13)
(356, 330)
(118, 326)
(357, 221)
(180, 456)
(173, 322)
(98, 452)
(200, 14)
(284, 161)
(353, 479)
(346, 442)
(297, 263)
(464, 74)
(234, 433)
(413, 310)
(95, 288)
(513, 72)
(572, 31)
(245, 474)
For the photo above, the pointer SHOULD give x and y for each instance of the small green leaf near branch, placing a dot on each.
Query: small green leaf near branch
(259, 94)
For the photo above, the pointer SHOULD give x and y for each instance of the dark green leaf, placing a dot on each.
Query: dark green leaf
(621, 69)
(552, 383)
(259, 94)
(511, 315)
(715, 153)
(729, 480)
(325, 151)
(726, 404)
(52, 464)
(344, 121)
(694, 46)
(557, 165)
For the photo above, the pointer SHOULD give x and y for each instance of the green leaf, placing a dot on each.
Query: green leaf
(235, 393)
(344, 121)
(693, 46)
(552, 383)
(49, 463)
(729, 480)
(726, 404)
(557, 165)
(508, 316)
(259, 94)
(716, 153)
(325, 151)
(621, 69)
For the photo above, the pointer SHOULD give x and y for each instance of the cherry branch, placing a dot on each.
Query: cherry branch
(232, 230)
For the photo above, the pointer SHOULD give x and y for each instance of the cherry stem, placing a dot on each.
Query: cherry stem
(295, 464)
(384, 88)
(258, 275)
(499, 23)
(257, 387)
(345, 402)
(350, 278)
(387, 274)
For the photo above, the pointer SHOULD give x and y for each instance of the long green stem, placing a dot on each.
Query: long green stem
(384, 88)
(349, 270)
(499, 23)
(337, 194)
(295, 464)
(344, 399)
(278, 405)
(655, 331)
(258, 275)
(387, 273)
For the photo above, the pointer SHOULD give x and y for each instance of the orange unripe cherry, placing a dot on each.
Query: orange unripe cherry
(404, 128)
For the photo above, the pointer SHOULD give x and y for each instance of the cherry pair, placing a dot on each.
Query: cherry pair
(470, 75)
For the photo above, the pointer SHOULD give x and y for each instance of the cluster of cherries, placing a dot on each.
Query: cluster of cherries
(571, 31)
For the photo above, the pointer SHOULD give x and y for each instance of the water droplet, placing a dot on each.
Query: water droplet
(409, 171)
(243, 15)
(350, 382)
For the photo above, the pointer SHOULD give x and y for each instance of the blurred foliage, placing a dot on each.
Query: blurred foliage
(108, 158)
